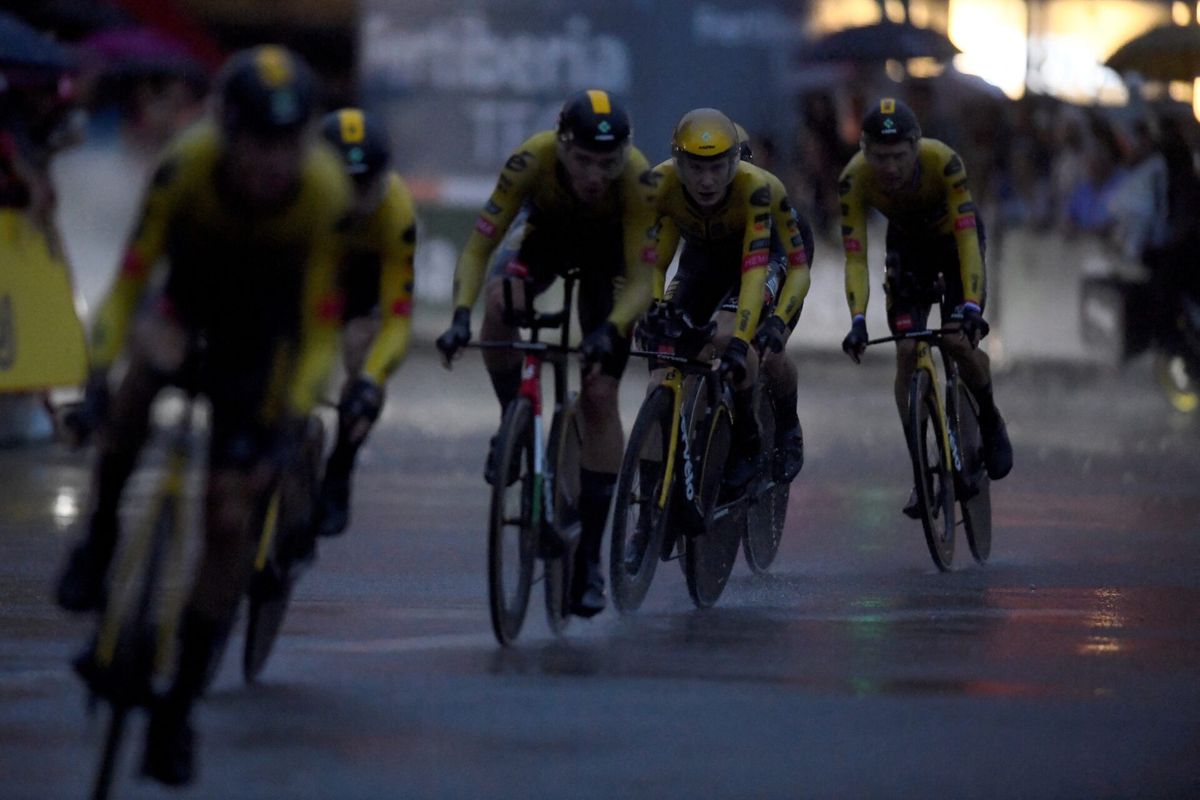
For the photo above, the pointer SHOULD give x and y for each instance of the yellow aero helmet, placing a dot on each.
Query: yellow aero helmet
(704, 133)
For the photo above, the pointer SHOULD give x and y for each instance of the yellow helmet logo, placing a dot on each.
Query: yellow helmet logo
(274, 66)
(887, 105)
(351, 125)
(600, 102)
(704, 132)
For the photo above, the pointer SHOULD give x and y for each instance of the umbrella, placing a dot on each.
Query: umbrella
(1167, 53)
(880, 42)
(23, 46)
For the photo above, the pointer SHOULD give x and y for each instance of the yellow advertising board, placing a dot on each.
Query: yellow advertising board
(41, 339)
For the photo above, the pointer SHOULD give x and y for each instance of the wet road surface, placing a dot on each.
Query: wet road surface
(1067, 667)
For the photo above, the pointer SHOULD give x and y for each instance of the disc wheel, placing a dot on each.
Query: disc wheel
(512, 534)
(932, 470)
(566, 443)
(974, 489)
(638, 517)
(767, 512)
(709, 556)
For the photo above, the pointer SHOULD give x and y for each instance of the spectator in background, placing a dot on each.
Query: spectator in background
(819, 152)
(1070, 164)
(1088, 209)
(1138, 204)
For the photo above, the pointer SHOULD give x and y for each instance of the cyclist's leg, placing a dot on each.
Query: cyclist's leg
(357, 335)
(906, 311)
(600, 419)
(974, 368)
(782, 377)
(159, 349)
(518, 256)
(239, 477)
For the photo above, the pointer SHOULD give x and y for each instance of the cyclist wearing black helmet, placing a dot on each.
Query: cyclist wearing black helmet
(244, 211)
(920, 186)
(379, 238)
(579, 189)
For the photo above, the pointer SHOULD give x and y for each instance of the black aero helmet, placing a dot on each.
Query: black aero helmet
(594, 120)
(890, 120)
(360, 139)
(266, 91)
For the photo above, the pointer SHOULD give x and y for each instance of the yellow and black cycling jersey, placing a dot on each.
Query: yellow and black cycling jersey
(260, 286)
(753, 205)
(937, 204)
(377, 272)
(534, 176)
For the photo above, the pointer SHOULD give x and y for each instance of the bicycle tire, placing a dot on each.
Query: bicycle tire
(709, 556)
(270, 591)
(637, 493)
(566, 443)
(974, 489)
(932, 470)
(765, 516)
(514, 444)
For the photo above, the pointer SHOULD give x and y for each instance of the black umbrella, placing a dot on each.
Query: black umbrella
(1168, 53)
(23, 46)
(880, 42)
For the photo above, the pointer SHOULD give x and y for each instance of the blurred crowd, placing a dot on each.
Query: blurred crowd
(1126, 176)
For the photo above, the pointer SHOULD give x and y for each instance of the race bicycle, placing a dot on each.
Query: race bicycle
(947, 452)
(670, 493)
(533, 513)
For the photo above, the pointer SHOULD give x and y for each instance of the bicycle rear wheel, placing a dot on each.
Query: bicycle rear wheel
(638, 519)
(558, 548)
(932, 470)
(974, 489)
(709, 556)
(288, 536)
(512, 523)
(765, 516)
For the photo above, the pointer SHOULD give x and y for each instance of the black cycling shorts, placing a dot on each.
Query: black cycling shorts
(543, 253)
(912, 288)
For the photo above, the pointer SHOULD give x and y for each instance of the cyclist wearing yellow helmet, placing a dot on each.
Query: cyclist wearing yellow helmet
(380, 237)
(920, 186)
(573, 196)
(724, 209)
(244, 210)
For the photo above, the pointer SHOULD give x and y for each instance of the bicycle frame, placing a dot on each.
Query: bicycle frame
(536, 354)
(926, 363)
(677, 367)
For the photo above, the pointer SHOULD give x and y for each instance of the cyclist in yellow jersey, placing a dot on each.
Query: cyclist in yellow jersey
(245, 211)
(920, 186)
(580, 190)
(379, 238)
(724, 210)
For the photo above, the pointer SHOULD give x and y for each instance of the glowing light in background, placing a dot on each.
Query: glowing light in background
(66, 507)
(1180, 13)
(991, 35)
(1196, 98)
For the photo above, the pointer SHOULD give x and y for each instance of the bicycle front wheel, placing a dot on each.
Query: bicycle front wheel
(638, 518)
(287, 542)
(974, 489)
(709, 556)
(558, 545)
(933, 471)
(764, 518)
(512, 523)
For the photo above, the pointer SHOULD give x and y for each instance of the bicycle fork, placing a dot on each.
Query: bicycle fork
(949, 443)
